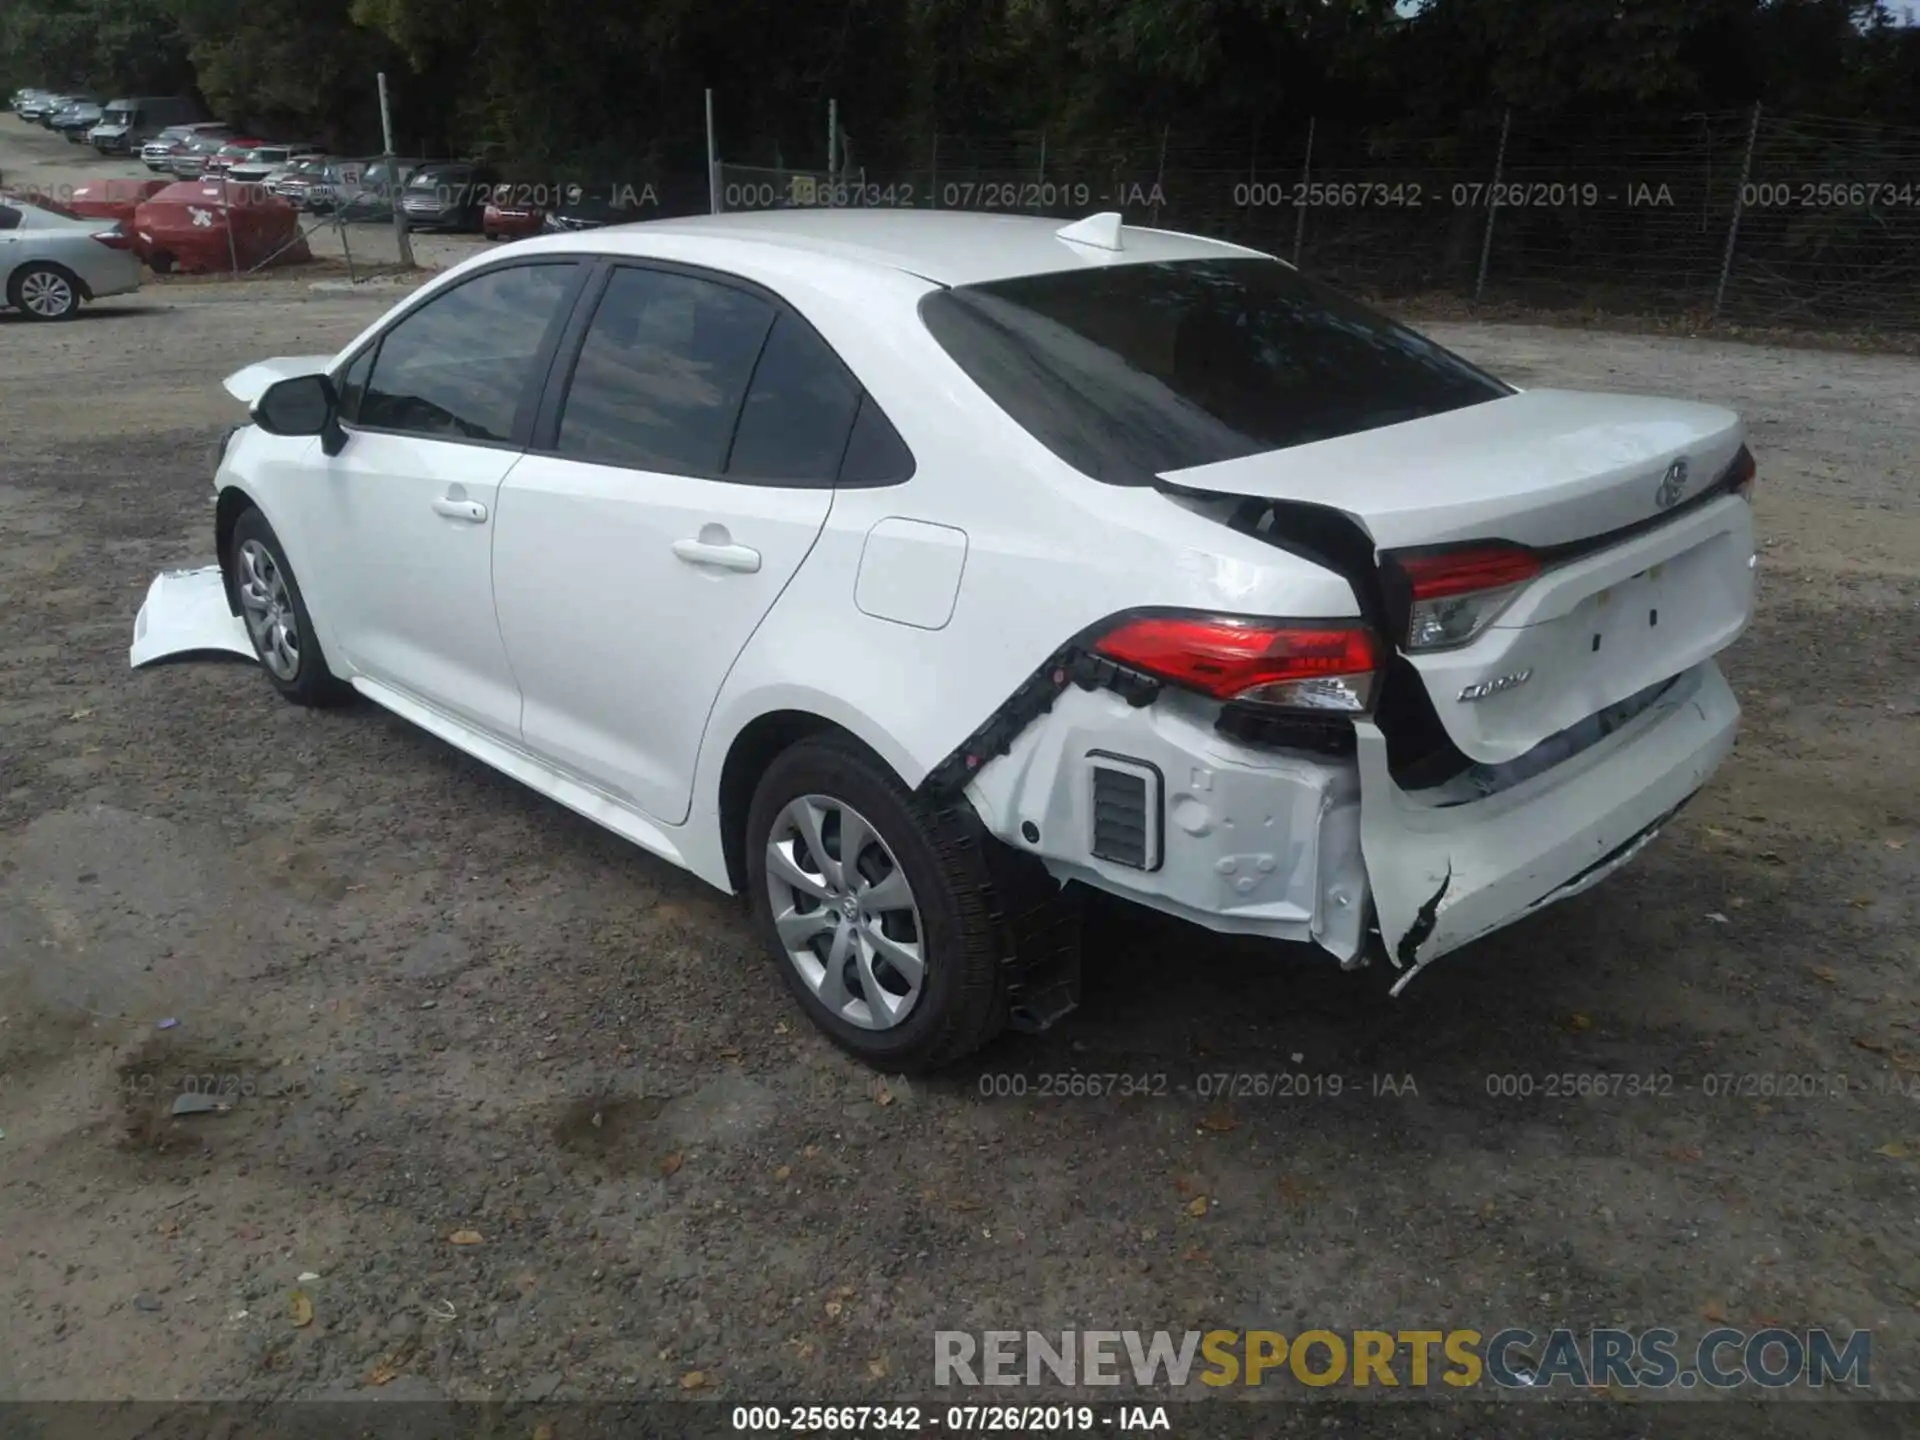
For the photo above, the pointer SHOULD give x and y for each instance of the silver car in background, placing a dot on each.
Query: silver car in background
(52, 259)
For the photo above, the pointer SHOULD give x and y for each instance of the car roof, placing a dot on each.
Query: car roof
(948, 247)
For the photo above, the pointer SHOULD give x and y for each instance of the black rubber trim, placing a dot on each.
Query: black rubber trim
(1074, 663)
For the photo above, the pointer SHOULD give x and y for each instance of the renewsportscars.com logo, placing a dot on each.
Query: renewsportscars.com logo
(1512, 1359)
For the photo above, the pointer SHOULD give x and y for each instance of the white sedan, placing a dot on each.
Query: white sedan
(898, 569)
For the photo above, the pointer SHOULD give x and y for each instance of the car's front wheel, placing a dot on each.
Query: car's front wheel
(44, 292)
(276, 616)
(875, 904)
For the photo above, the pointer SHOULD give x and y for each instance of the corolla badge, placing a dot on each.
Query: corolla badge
(1673, 485)
(1496, 685)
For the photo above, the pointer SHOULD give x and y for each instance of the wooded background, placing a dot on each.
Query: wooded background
(1214, 101)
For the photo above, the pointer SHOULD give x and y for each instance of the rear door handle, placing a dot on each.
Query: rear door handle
(721, 557)
(469, 510)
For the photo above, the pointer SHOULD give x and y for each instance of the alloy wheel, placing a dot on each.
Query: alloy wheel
(269, 610)
(46, 294)
(845, 912)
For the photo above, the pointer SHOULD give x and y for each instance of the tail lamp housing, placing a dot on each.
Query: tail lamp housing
(1453, 594)
(1323, 667)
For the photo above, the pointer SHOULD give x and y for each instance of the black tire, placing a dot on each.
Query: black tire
(40, 271)
(311, 682)
(962, 1002)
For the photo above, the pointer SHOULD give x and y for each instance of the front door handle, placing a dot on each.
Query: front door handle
(720, 556)
(469, 510)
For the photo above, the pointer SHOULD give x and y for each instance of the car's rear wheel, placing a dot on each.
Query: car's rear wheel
(876, 906)
(44, 292)
(276, 616)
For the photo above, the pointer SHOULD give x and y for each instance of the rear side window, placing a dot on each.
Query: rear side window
(9, 218)
(1132, 371)
(662, 373)
(465, 365)
(793, 428)
(876, 455)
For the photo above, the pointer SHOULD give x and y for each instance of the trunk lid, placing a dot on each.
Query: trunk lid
(1624, 601)
(1540, 467)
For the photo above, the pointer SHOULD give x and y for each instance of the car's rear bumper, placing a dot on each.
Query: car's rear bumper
(1298, 846)
(1442, 876)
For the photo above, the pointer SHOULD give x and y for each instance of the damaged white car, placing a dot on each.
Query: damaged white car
(899, 568)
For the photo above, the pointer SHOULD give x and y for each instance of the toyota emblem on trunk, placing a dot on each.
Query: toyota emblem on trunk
(1673, 485)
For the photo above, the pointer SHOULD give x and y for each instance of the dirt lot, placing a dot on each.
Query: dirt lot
(441, 1004)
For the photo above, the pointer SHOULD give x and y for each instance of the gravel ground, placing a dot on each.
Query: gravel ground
(442, 1004)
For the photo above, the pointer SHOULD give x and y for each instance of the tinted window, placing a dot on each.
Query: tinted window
(876, 455)
(798, 411)
(463, 365)
(9, 218)
(661, 374)
(1132, 371)
(353, 383)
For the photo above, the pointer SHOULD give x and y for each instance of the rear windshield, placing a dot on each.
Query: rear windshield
(1132, 371)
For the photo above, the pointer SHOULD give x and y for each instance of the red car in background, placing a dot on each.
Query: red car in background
(508, 218)
(236, 149)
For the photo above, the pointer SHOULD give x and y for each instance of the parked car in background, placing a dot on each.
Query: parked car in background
(262, 161)
(229, 154)
(295, 181)
(368, 189)
(22, 98)
(157, 154)
(130, 123)
(76, 118)
(192, 161)
(447, 195)
(511, 213)
(40, 105)
(52, 259)
(594, 206)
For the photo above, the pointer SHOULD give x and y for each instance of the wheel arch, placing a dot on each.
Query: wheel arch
(233, 502)
(752, 747)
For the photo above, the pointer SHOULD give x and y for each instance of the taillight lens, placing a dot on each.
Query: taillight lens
(1321, 667)
(1745, 471)
(114, 239)
(1455, 594)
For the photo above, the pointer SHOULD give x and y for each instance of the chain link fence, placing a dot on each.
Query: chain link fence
(1733, 215)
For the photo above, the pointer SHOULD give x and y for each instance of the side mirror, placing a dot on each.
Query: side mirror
(301, 405)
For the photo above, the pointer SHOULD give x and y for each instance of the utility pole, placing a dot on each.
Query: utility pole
(1493, 203)
(401, 237)
(713, 161)
(1739, 204)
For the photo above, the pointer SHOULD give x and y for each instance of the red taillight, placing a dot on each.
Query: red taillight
(1316, 667)
(114, 239)
(1471, 568)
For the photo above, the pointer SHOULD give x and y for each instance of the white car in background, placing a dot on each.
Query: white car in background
(897, 568)
(52, 259)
